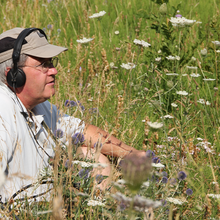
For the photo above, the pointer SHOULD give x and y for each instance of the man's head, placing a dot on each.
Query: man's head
(29, 52)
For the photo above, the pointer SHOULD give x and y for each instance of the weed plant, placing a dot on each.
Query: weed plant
(174, 82)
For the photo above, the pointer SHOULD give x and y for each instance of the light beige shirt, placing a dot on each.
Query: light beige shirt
(21, 156)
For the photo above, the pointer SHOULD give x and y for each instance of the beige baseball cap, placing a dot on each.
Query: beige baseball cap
(35, 44)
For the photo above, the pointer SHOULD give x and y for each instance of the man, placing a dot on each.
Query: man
(27, 79)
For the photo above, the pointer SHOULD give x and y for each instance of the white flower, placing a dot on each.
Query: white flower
(201, 101)
(172, 74)
(121, 181)
(173, 57)
(208, 79)
(193, 58)
(177, 57)
(158, 59)
(111, 64)
(138, 202)
(2, 178)
(155, 125)
(199, 139)
(217, 43)
(208, 103)
(157, 165)
(84, 40)
(203, 52)
(214, 196)
(175, 201)
(182, 93)
(192, 67)
(146, 184)
(217, 51)
(88, 164)
(198, 22)
(141, 42)
(174, 105)
(116, 32)
(195, 75)
(159, 51)
(181, 21)
(128, 66)
(167, 116)
(97, 15)
(95, 203)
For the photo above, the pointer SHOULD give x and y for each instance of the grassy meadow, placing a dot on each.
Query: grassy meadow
(173, 82)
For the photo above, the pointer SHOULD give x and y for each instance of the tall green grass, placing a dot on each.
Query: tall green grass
(125, 98)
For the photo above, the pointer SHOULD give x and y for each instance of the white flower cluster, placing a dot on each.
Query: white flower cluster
(158, 59)
(192, 67)
(195, 75)
(97, 15)
(88, 164)
(139, 203)
(182, 93)
(172, 74)
(95, 203)
(128, 66)
(181, 22)
(84, 40)
(175, 201)
(173, 57)
(202, 101)
(208, 79)
(217, 43)
(155, 125)
(141, 43)
(157, 165)
(174, 105)
(167, 116)
(214, 196)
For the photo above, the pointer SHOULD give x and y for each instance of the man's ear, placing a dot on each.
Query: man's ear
(7, 70)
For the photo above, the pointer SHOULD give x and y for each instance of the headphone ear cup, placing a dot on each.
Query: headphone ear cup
(16, 79)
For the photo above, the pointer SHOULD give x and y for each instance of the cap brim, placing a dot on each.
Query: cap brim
(46, 51)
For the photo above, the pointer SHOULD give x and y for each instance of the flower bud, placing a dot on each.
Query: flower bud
(170, 83)
(163, 9)
(203, 52)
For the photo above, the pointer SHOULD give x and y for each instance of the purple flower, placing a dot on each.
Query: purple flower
(182, 175)
(99, 178)
(84, 174)
(178, 16)
(58, 133)
(58, 30)
(150, 153)
(78, 138)
(164, 180)
(155, 160)
(49, 26)
(68, 164)
(69, 103)
(189, 192)
(49, 1)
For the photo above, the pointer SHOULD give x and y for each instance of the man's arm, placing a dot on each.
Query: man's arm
(110, 144)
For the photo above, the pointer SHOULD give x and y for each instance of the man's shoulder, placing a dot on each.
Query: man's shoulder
(45, 108)
(6, 101)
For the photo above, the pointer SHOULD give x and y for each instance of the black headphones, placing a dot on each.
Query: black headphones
(16, 76)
